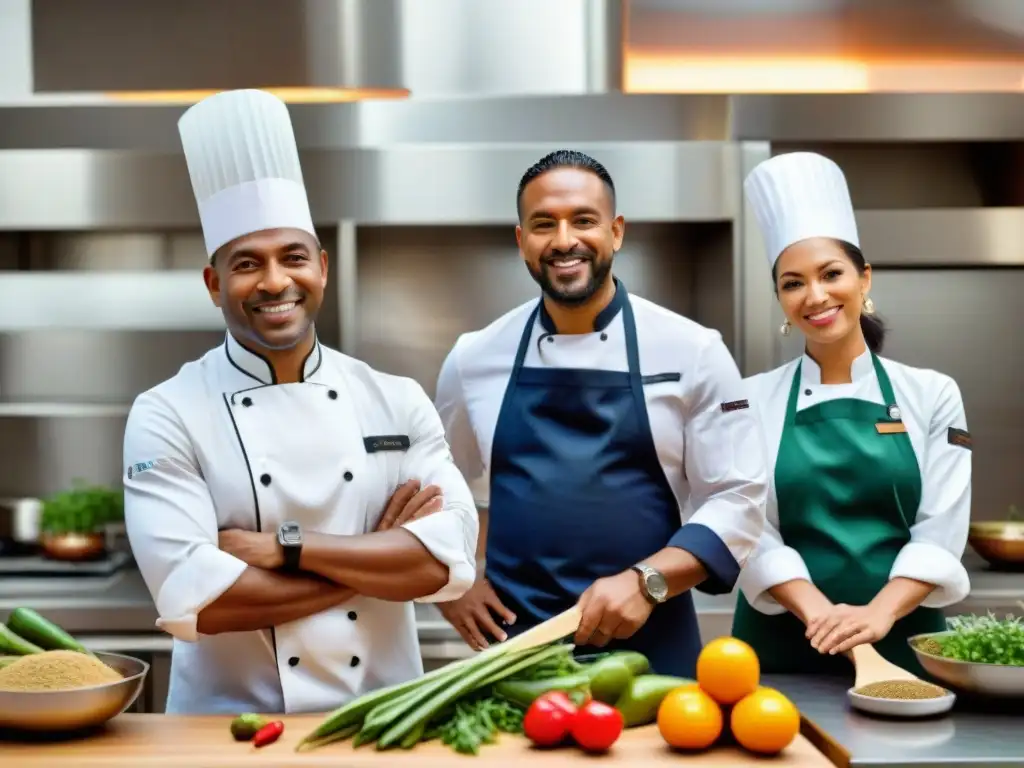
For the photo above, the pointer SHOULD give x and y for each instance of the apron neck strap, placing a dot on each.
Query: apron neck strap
(884, 384)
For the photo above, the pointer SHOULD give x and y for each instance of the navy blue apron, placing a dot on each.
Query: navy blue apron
(578, 493)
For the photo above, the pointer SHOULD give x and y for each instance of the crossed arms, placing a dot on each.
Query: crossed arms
(206, 581)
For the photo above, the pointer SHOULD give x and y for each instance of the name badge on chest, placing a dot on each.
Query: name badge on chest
(377, 443)
(895, 425)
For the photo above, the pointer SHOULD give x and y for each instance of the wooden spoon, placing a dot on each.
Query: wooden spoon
(872, 667)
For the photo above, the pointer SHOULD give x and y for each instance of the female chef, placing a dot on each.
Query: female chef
(870, 459)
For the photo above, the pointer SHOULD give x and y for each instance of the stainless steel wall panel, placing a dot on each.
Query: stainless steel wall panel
(421, 287)
(943, 238)
(966, 324)
(86, 366)
(878, 117)
(123, 45)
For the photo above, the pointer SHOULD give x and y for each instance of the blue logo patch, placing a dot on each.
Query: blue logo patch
(142, 466)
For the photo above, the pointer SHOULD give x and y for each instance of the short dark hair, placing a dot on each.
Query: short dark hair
(565, 158)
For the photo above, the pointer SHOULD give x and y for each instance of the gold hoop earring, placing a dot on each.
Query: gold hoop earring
(785, 328)
(869, 306)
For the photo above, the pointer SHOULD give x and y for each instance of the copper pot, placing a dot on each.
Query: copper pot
(1000, 543)
(73, 546)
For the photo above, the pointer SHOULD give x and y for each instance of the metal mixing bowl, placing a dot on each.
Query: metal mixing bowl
(77, 708)
(970, 676)
(1000, 543)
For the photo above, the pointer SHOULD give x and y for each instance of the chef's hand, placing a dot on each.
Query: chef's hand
(847, 626)
(612, 608)
(410, 502)
(260, 550)
(471, 615)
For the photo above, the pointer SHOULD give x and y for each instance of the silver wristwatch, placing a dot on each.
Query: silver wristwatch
(652, 583)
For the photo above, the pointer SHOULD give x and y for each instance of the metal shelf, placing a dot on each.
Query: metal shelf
(44, 410)
(122, 300)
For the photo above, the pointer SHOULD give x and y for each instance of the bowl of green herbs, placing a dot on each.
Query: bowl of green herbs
(977, 654)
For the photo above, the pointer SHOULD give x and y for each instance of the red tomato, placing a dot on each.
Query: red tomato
(597, 726)
(549, 719)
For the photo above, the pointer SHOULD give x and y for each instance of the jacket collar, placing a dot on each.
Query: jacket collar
(810, 373)
(604, 317)
(257, 367)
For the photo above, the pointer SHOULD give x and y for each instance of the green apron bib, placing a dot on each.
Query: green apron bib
(847, 496)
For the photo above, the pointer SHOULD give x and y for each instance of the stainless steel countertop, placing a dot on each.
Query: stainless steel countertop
(979, 734)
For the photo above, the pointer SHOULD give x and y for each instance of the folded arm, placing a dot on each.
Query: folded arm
(938, 537)
(172, 526)
(727, 472)
(432, 558)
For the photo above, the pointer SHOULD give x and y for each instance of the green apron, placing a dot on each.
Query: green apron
(847, 496)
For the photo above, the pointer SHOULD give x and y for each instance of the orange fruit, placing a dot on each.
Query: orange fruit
(689, 719)
(765, 722)
(728, 669)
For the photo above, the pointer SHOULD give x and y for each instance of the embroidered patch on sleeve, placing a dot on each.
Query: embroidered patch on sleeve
(142, 466)
(960, 437)
(735, 405)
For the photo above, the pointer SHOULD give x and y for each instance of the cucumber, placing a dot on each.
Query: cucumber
(11, 643)
(44, 633)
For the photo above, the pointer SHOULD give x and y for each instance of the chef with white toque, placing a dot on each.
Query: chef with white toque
(871, 459)
(285, 503)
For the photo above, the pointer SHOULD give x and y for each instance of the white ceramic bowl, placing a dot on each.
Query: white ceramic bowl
(901, 707)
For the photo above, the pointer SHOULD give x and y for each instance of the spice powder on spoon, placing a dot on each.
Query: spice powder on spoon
(901, 690)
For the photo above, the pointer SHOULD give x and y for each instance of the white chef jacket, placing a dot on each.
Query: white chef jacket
(930, 403)
(222, 445)
(716, 471)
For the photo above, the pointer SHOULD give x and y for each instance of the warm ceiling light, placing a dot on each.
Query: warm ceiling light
(686, 74)
(289, 95)
(650, 73)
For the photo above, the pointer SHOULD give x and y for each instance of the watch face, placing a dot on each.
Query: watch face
(290, 534)
(656, 585)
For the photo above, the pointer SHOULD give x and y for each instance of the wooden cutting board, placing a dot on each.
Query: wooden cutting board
(131, 741)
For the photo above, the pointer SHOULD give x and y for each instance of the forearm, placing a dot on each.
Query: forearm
(801, 598)
(262, 599)
(388, 565)
(901, 596)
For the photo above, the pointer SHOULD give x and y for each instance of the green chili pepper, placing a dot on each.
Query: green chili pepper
(523, 692)
(608, 679)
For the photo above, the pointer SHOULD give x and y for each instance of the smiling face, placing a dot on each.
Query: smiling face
(569, 233)
(270, 286)
(821, 290)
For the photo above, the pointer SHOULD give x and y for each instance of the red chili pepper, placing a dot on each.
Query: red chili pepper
(268, 734)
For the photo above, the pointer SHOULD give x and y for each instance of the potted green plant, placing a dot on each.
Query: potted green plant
(73, 522)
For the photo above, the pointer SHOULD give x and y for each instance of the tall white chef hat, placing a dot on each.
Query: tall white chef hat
(244, 165)
(797, 196)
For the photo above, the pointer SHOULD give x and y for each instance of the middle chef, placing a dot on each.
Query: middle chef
(621, 458)
(871, 459)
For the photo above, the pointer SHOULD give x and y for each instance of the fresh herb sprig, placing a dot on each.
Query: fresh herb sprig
(985, 640)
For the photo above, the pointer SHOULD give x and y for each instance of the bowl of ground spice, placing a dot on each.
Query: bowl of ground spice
(902, 698)
(58, 691)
